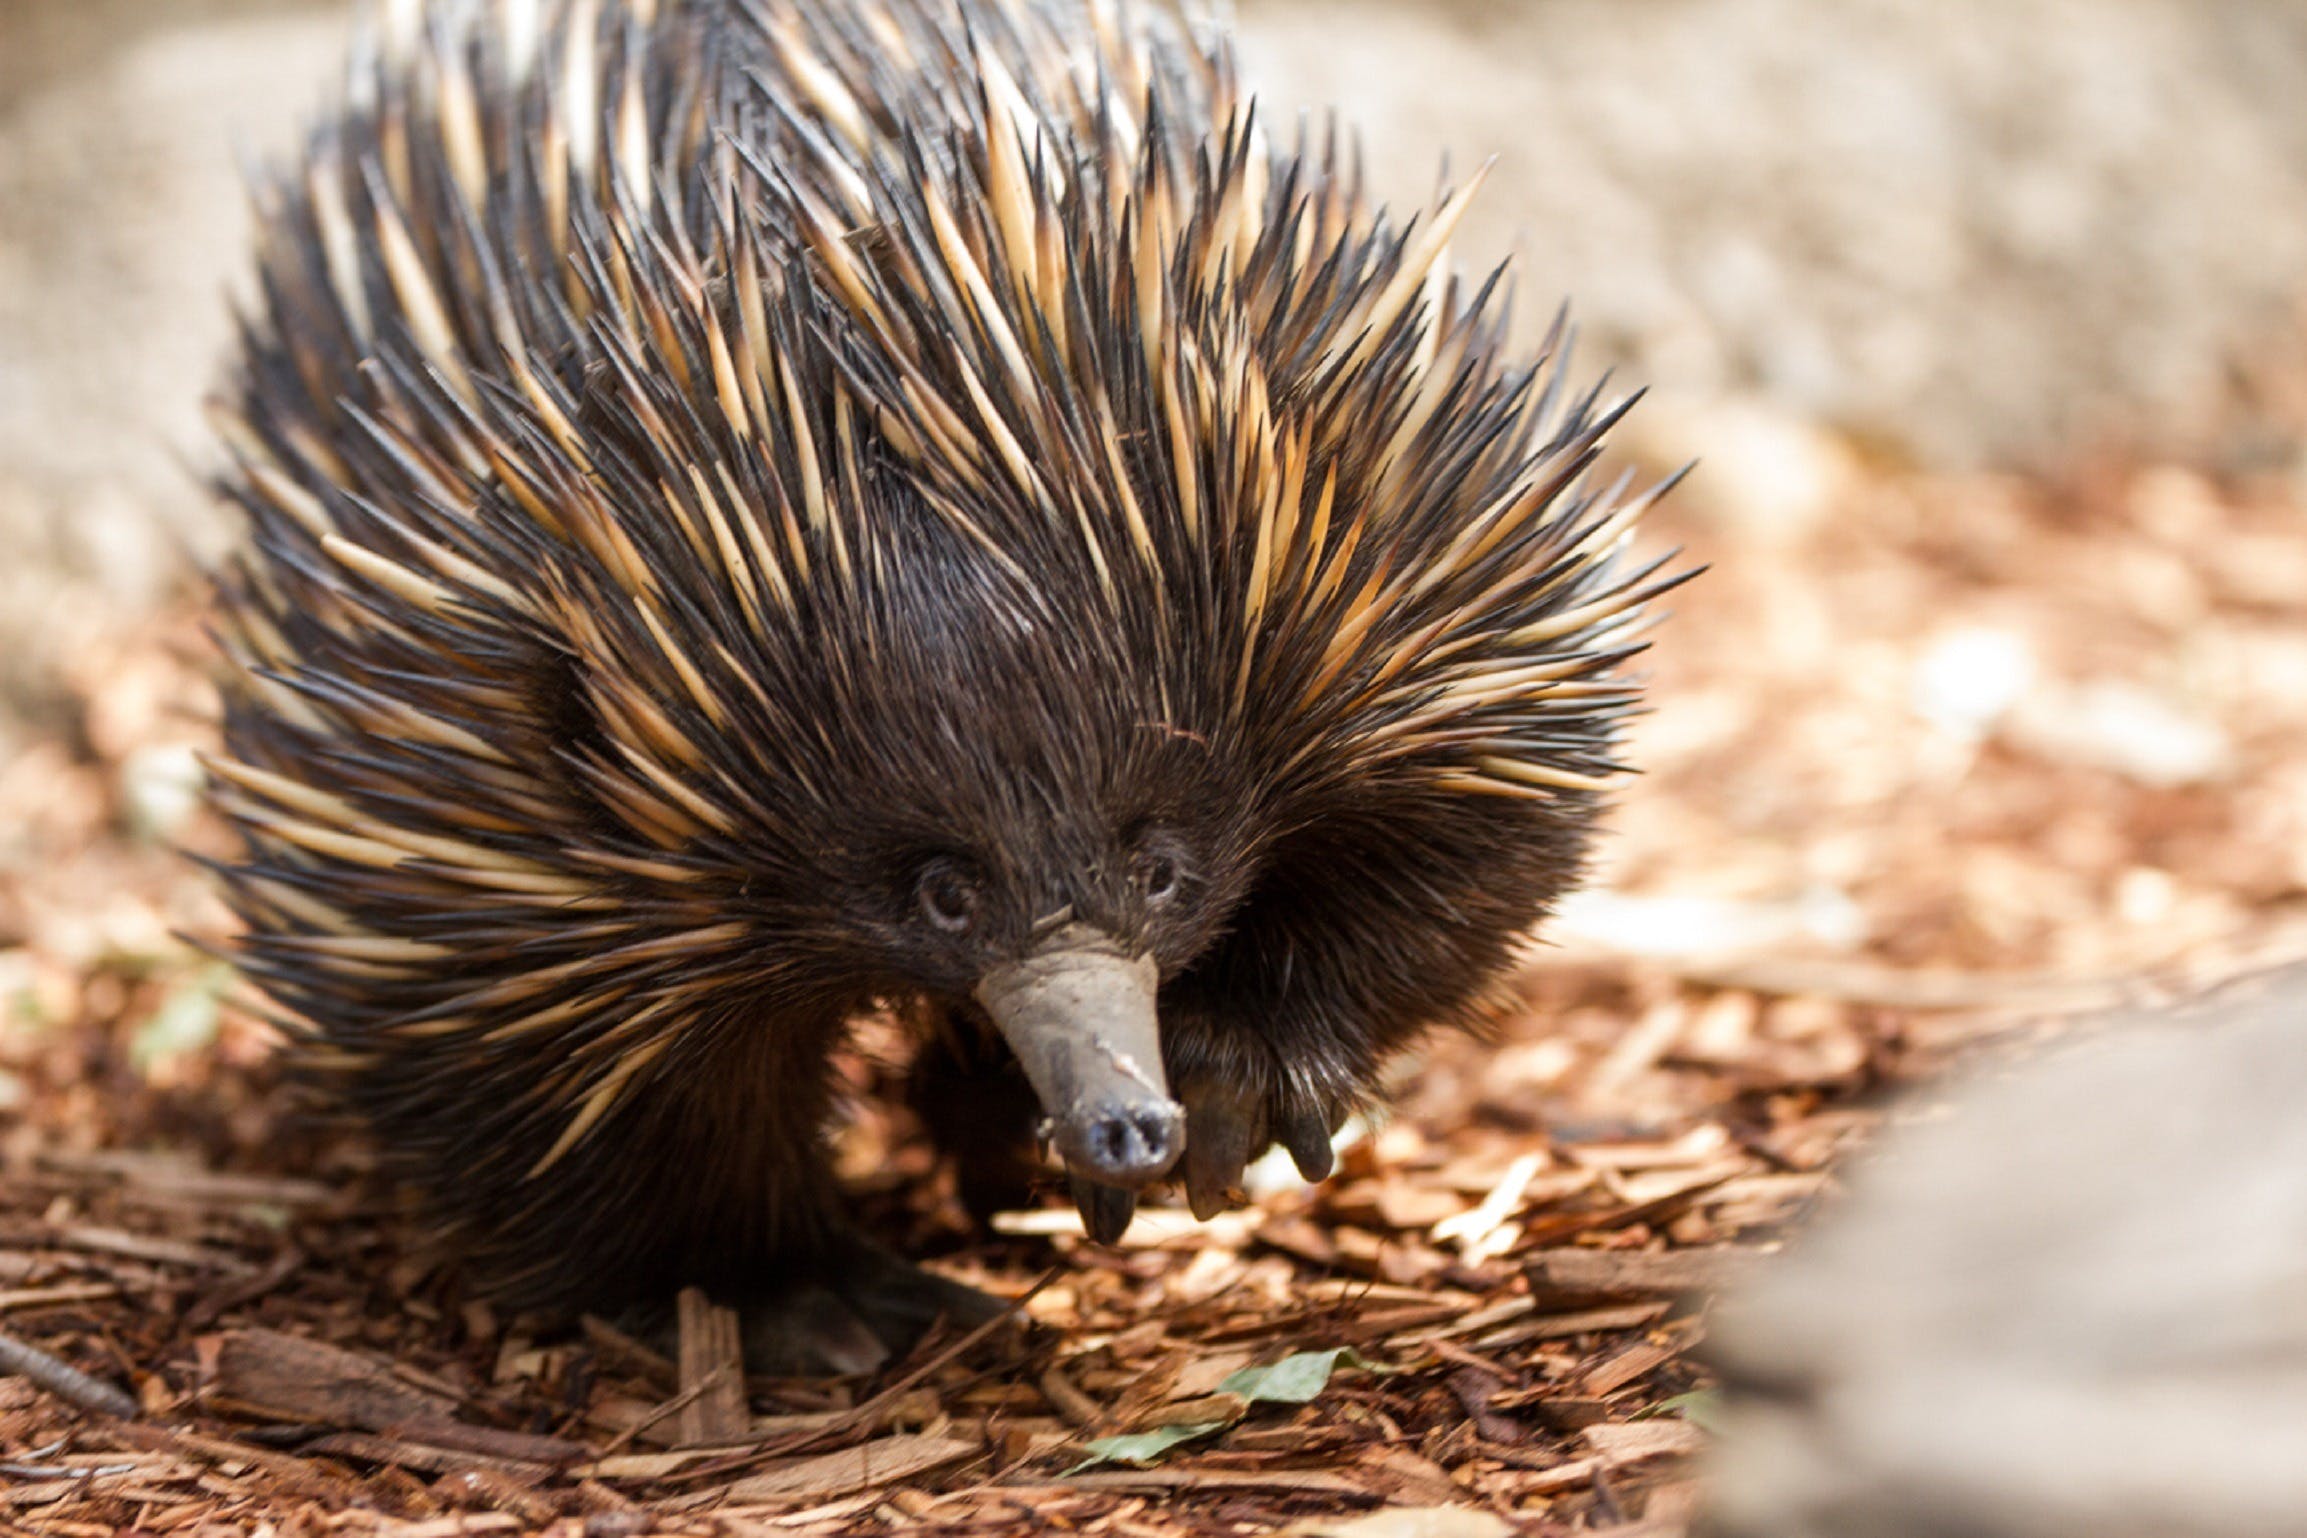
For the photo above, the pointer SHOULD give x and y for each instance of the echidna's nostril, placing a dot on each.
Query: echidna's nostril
(1130, 1146)
(1160, 1133)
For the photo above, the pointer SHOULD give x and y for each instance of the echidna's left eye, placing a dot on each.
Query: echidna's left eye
(1159, 876)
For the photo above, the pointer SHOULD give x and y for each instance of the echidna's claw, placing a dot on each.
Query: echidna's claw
(1105, 1210)
(1224, 1127)
(1305, 1132)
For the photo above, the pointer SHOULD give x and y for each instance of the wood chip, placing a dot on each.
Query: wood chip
(466, 1526)
(1576, 1277)
(1294, 1481)
(293, 1476)
(1624, 1364)
(1474, 1390)
(1192, 1412)
(169, 1180)
(170, 1252)
(1068, 1400)
(1570, 1475)
(1402, 1475)
(712, 1372)
(870, 1465)
(626, 1354)
(362, 1447)
(1632, 1441)
(48, 1297)
(268, 1375)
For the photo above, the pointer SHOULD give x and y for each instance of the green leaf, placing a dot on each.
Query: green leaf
(1702, 1407)
(1145, 1448)
(1295, 1379)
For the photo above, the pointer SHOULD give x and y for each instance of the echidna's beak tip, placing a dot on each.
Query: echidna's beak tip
(1080, 1017)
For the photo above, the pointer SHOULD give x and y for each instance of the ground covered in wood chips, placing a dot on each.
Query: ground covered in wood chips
(1935, 761)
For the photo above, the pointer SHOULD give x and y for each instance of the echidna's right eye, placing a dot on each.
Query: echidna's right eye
(949, 899)
(1159, 877)
(1159, 868)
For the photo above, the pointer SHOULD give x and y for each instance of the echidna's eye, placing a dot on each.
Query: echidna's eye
(1159, 877)
(949, 898)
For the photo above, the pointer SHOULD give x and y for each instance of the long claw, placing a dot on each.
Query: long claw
(1222, 1131)
(1105, 1210)
(1305, 1132)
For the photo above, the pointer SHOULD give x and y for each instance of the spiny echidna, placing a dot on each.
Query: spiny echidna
(762, 508)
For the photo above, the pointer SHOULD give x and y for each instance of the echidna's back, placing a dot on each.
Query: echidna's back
(464, 211)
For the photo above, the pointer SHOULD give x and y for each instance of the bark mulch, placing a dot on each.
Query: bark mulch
(1943, 770)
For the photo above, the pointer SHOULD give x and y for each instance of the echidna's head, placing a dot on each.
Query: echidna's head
(1021, 816)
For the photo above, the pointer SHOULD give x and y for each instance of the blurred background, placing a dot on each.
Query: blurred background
(1951, 234)
(1987, 318)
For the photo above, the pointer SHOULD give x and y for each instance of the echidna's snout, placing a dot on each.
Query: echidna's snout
(1079, 1014)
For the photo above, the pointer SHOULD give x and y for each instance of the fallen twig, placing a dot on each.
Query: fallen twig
(65, 1381)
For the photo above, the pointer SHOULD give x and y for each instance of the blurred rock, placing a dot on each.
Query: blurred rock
(2075, 1304)
(1964, 229)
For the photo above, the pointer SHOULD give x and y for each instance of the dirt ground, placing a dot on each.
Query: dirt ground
(1939, 762)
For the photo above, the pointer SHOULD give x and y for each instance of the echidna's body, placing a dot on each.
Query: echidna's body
(766, 506)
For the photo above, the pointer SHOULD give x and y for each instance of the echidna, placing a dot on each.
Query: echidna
(767, 508)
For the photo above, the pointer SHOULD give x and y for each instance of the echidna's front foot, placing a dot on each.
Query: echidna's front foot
(1228, 1124)
(870, 1307)
(979, 1110)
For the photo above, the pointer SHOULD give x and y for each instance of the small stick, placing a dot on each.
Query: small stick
(46, 1471)
(65, 1381)
(296, 1475)
(672, 1406)
(243, 1290)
